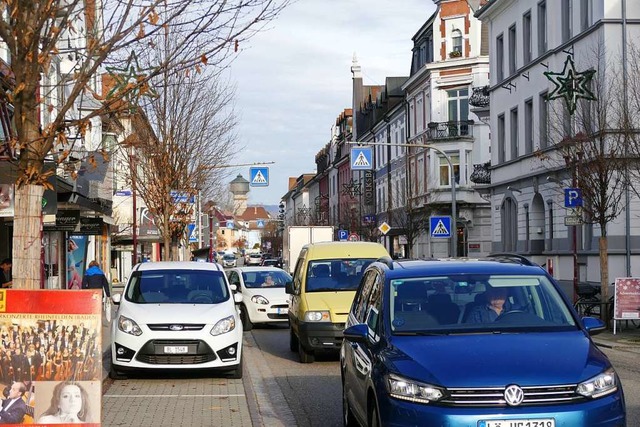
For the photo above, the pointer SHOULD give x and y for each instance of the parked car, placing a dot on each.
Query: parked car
(229, 260)
(325, 280)
(263, 295)
(426, 343)
(176, 315)
(253, 259)
(271, 262)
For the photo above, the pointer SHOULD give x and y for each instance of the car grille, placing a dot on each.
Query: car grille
(492, 397)
(167, 327)
(199, 352)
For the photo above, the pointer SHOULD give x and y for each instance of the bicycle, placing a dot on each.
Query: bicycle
(590, 304)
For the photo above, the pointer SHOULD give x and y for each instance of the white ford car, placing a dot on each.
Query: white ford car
(176, 315)
(263, 297)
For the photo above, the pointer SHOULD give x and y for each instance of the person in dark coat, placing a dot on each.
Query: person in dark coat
(94, 278)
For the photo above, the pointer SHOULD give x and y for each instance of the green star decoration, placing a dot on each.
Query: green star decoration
(571, 84)
(130, 80)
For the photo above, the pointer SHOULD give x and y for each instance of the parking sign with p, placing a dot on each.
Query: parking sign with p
(572, 198)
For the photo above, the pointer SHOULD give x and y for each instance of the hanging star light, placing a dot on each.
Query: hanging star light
(130, 80)
(571, 84)
(352, 188)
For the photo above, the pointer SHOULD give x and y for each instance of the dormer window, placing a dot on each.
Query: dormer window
(456, 42)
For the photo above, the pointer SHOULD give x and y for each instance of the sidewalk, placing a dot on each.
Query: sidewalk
(627, 337)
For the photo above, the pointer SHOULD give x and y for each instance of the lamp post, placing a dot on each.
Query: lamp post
(572, 162)
(454, 214)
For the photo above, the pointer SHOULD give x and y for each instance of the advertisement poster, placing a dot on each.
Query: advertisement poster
(76, 260)
(51, 357)
(6, 200)
(627, 298)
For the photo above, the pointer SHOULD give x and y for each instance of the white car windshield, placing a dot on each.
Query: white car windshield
(177, 287)
(265, 279)
(476, 303)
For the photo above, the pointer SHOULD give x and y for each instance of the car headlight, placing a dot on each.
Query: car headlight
(600, 385)
(259, 299)
(223, 326)
(129, 326)
(413, 391)
(317, 316)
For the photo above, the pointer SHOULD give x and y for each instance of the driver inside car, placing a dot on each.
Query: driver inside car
(495, 305)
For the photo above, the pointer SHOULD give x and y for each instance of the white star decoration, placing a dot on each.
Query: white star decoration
(571, 84)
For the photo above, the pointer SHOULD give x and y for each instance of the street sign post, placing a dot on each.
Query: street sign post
(362, 158)
(354, 237)
(440, 227)
(384, 228)
(571, 220)
(260, 223)
(259, 176)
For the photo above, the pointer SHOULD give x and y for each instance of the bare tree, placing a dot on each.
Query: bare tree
(412, 219)
(590, 149)
(69, 42)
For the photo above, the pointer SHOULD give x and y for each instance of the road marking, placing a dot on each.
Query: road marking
(129, 396)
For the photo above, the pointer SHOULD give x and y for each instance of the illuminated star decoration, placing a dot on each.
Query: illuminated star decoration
(571, 84)
(303, 212)
(130, 81)
(352, 188)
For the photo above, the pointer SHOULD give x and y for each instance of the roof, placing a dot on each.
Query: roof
(485, 7)
(239, 179)
(254, 212)
(328, 250)
(177, 265)
(461, 266)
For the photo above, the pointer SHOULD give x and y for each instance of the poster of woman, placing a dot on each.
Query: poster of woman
(76, 256)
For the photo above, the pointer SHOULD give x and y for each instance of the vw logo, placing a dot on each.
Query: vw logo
(514, 395)
(176, 327)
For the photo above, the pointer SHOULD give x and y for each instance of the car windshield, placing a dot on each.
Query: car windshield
(265, 279)
(472, 303)
(229, 257)
(255, 256)
(177, 287)
(270, 262)
(335, 274)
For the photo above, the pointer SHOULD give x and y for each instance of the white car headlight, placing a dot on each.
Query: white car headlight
(129, 326)
(223, 326)
(600, 385)
(317, 316)
(259, 299)
(413, 391)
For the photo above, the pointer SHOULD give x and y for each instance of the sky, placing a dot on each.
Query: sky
(294, 78)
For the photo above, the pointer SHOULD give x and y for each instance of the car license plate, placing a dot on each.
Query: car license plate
(181, 349)
(542, 422)
(282, 311)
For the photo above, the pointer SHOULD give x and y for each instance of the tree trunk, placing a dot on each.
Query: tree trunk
(167, 247)
(27, 237)
(604, 268)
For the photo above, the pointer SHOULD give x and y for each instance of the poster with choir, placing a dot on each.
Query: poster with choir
(50, 357)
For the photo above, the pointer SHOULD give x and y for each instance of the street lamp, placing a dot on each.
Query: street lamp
(454, 214)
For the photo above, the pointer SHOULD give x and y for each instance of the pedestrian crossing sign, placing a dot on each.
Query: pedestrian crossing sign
(259, 176)
(362, 159)
(440, 226)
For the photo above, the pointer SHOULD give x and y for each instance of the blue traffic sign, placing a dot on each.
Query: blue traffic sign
(260, 223)
(193, 236)
(362, 159)
(343, 235)
(182, 197)
(440, 226)
(572, 198)
(259, 176)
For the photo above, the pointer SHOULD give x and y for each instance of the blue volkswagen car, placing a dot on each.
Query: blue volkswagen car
(485, 343)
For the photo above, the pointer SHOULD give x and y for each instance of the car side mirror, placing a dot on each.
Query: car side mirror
(593, 325)
(357, 333)
(288, 288)
(234, 287)
(237, 298)
(116, 298)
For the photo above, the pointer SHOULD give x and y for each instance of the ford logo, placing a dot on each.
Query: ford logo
(514, 395)
(176, 327)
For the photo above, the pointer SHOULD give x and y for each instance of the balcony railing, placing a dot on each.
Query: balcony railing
(449, 130)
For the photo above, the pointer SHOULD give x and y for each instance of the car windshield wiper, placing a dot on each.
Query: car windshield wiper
(420, 333)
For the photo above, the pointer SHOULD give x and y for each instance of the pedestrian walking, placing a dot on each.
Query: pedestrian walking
(94, 278)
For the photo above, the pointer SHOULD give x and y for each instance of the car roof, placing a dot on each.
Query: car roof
(255, 268)
(326, 250)
(177, 265)
(460, 266)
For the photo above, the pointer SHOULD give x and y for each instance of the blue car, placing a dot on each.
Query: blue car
(485, 343)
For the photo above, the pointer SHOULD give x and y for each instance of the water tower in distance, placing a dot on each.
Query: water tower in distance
(240, 190)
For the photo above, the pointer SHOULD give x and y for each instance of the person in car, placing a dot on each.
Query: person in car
(268, 281)
(495, 305)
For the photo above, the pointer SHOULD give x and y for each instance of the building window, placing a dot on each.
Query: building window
(544, 120)
(512, 49)
(456, 42)
(420, 175)
(501, 144)
(526, 38)
(500, 58)
(585, 14)
(566, 13)
(528, 126)
(514, 133)
(542, 28)
(458, 105)
(444, 169)
(509, 216)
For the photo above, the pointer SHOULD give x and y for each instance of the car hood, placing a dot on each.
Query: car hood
(178, 313)
(497, 359)
(338, 303)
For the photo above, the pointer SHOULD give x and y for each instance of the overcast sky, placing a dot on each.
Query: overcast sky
(294, 79)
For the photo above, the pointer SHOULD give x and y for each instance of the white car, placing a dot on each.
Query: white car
(176, 315)
(263, 297)
(254, 259)
(229, 260)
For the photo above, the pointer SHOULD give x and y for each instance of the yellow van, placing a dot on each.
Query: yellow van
(325, 281)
